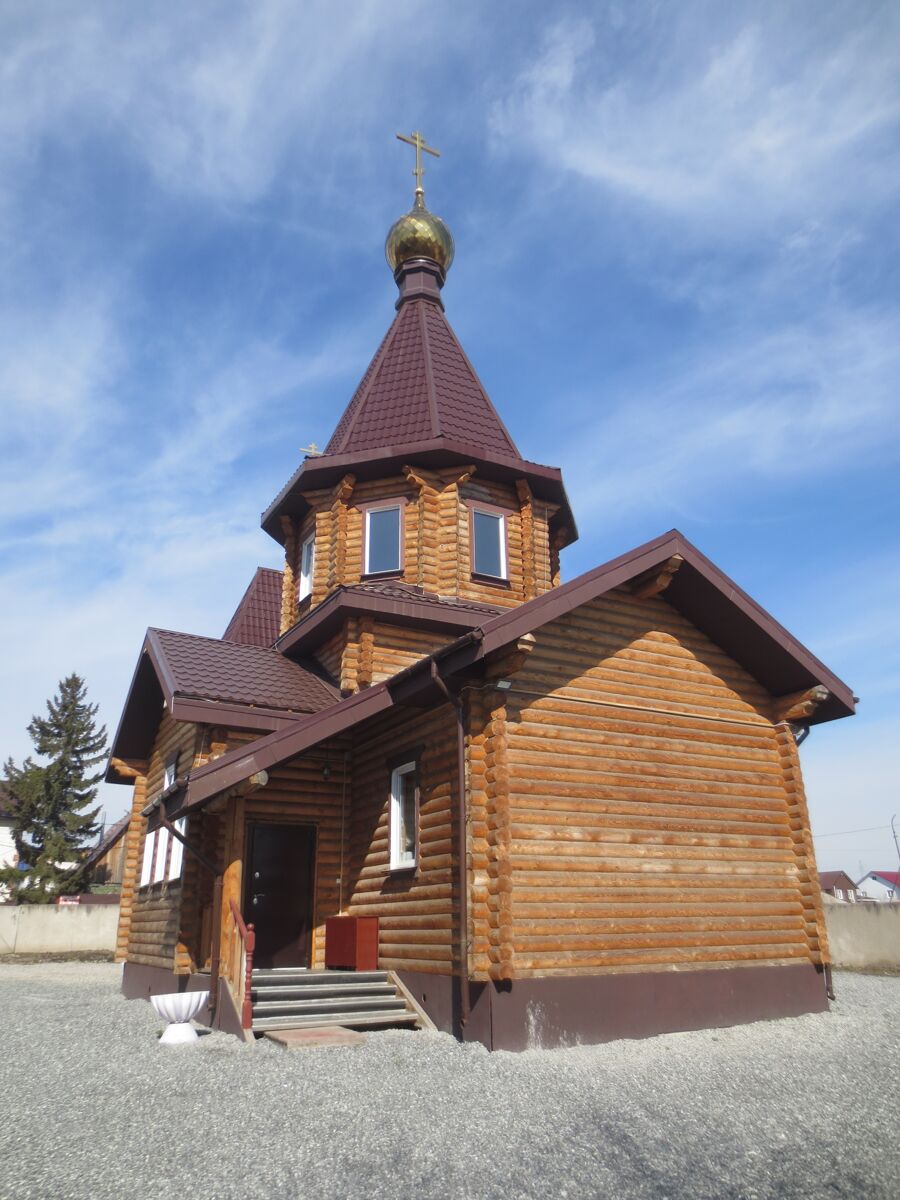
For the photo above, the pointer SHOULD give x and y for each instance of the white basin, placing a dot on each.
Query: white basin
(179, 1009)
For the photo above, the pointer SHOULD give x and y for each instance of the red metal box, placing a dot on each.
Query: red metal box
(351, 943)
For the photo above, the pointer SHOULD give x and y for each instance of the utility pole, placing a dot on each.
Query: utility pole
(896, 843)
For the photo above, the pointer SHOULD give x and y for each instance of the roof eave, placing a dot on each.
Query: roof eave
(322, 470)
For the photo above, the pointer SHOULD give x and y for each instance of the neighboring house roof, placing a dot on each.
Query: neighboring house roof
(420, 385)
(707, 597)
(399, 603)
(257, 619)
(210, 680)
(891, 878)
(109, 839)
(832, 879)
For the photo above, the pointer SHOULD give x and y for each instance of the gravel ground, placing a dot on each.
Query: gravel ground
(91, 1106)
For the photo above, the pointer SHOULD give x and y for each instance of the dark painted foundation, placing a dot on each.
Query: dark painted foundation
(140, 983)
(565, 1011)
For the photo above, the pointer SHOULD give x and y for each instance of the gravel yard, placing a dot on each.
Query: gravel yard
(91, 1106)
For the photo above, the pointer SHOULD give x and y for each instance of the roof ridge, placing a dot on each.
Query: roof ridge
(367, 382)
(441, 316)
(429, 369)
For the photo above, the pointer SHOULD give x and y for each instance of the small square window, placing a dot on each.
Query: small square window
(382, 540)
(307, 563)
(404, 816)
(488, 543)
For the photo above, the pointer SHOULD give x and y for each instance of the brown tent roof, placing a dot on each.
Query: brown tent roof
(419, 402)
(257, 619)
(699, 590)
(420, 385)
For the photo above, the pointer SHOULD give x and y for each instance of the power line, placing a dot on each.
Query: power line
(847, 832)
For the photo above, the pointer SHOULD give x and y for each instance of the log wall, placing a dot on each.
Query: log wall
(150, 917)
(436, 536)
(417, 910)
(634, 808)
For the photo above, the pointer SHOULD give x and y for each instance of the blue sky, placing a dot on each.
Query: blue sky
(677, 253)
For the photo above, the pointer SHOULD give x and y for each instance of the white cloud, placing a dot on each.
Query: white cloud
(725, 130)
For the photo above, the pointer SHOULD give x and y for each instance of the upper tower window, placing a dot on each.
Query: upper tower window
(489, 542)
(384, 526)
(307, 562)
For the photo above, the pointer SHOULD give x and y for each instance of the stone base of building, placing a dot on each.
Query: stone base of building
(586, 1010)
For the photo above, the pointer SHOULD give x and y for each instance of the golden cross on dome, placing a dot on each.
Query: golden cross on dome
(417, 140)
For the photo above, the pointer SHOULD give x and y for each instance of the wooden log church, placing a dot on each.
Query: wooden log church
(420, 780)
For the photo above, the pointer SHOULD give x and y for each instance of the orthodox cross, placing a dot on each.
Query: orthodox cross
(420, 144)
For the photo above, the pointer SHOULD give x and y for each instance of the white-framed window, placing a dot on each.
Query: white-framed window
(489, 543)
(147, 861)
(851, 895)
(176, 854)
(382, 543)
(838, 893)
(170, 772)
(307, 564)
(404, 816)
(162, 849)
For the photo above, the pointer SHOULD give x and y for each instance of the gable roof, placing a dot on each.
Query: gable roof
(890, 877)
(257, 619)
(832, 879)
(420, 385)
(709, 600)
(109, 839)
(707, 597)
(210, 680)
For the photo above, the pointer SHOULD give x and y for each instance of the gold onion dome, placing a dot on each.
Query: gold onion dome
(419, 234)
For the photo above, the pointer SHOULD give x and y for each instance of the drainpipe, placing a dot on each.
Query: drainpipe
(462, 849)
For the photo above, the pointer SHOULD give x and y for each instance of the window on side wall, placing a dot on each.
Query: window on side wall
(404, 816)
(147, 861)
(489, 543)
(170, 773)
(307, 563)
(176, 853)
(382, 542)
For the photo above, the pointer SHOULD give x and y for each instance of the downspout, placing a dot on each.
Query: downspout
(462, 848)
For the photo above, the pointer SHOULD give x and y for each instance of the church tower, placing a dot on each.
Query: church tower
(421, 509)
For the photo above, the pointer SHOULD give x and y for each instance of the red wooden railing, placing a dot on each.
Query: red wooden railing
(244, 978)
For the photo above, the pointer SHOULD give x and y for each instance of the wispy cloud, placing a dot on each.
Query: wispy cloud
(726, 132)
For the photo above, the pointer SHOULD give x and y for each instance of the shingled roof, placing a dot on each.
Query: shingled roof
(420, 385)
(257, 619)
(419, 402)
(207, 679)
(210, 669)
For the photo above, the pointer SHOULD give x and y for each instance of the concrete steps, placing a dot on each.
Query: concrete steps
(287, 998)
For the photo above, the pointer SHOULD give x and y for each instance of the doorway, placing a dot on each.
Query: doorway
(278, 893)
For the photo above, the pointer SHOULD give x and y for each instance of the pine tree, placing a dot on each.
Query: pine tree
(50, 824)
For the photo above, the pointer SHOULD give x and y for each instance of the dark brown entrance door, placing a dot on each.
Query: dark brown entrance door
(278, 897)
